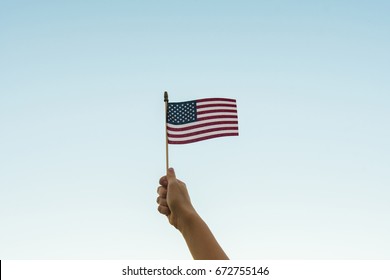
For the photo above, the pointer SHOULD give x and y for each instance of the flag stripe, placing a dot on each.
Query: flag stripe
(217, 117)
(216, 111)
(216, 108)
(205, 132)
(214, 103)
(210, 121)
(172, 127)
(200, 130)
(201, 134)
(207, 105)
(227, 115)
(188, 141)
(216, 99)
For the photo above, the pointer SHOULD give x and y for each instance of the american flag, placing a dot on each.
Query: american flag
(201, 119)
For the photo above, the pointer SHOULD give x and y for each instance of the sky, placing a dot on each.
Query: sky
(82, 144)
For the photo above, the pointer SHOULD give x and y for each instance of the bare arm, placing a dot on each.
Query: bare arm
(174, 202)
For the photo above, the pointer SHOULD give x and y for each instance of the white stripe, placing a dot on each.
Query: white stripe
(216, 108)
(214, 102)
(202, 135)
(201, 122)
(217, 114)
(202, 128)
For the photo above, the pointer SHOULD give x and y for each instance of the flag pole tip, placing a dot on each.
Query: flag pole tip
(165, 96)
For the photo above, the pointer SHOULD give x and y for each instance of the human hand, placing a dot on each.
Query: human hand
(174, 200)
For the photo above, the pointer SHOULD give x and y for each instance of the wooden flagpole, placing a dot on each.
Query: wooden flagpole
(166, 130)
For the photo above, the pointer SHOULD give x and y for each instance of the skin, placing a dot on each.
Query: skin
(175, 203)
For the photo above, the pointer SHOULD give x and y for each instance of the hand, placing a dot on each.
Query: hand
(174, 200)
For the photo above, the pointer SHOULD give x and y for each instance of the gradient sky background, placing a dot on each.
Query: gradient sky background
(82, 127)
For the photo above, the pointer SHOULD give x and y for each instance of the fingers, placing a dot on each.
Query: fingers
(162, 201)
(162, 191)
(163, 181)
(163, 206)
(164, 210)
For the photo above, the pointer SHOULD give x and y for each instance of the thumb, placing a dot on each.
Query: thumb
(171, 176)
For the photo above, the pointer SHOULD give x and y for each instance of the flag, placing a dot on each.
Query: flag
(201, 119)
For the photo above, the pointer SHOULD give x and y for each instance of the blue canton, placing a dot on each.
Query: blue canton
(182, 112)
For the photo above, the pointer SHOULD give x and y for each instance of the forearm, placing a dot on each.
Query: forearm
(200, 240)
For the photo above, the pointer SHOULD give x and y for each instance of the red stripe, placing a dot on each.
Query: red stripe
(216, 99)
(217, 111)
(217, 117)
(201, 132)
(200, 125)
(214, 105)
(202, 138)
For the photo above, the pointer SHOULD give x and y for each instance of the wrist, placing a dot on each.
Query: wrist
(188, 220)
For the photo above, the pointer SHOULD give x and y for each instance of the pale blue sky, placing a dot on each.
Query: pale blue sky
(82, 133)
